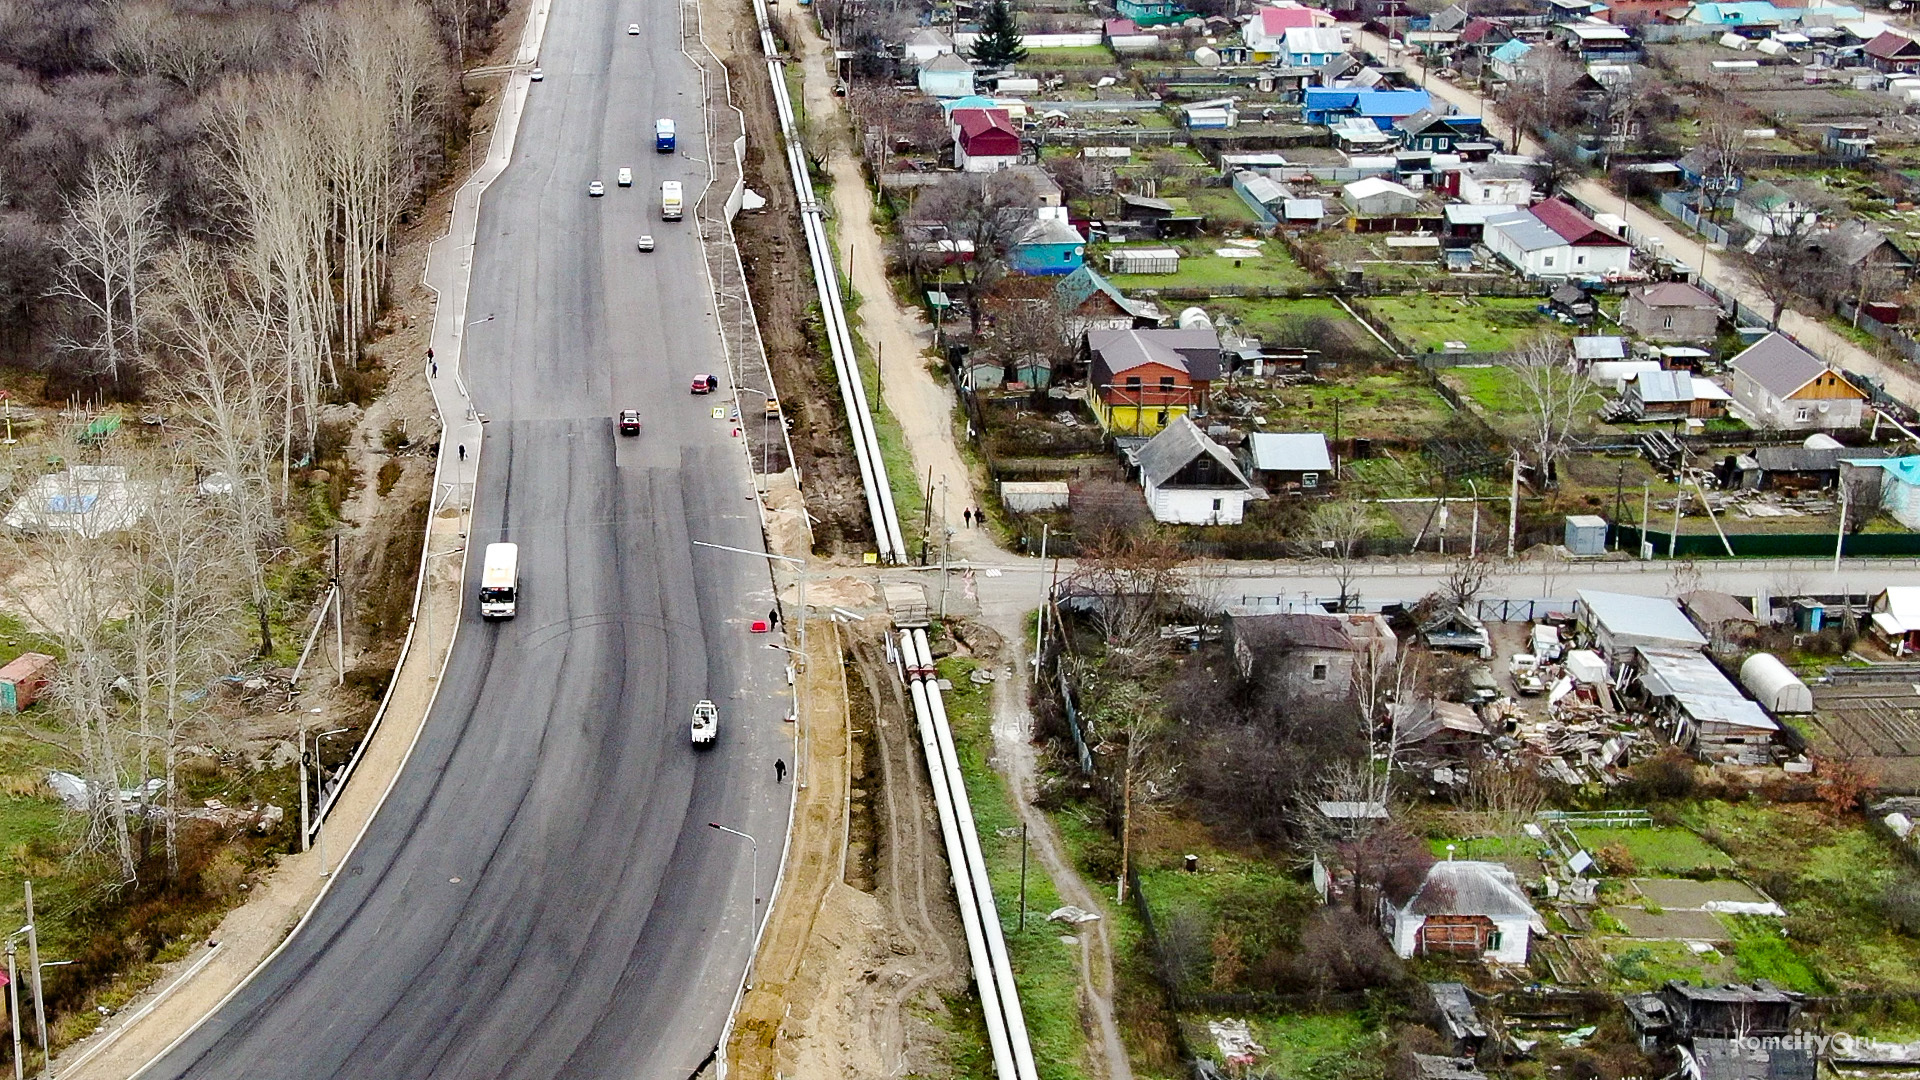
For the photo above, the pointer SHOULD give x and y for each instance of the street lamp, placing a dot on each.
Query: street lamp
(426, 601)
(800, 565)
(753, 913)
(320, 813)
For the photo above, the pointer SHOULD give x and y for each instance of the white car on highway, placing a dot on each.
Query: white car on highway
(626, 177)
(633, 29)
(538, 75)
(596, 189)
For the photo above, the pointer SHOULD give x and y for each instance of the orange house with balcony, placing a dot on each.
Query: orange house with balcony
(1142, 379)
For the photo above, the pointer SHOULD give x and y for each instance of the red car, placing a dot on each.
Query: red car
(630, 421)
(705, 384)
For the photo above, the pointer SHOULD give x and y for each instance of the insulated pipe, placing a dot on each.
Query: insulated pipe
(873, 474)
(970, 919)
(977, 870)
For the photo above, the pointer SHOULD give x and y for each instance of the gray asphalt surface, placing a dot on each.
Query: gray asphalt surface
(541, 895)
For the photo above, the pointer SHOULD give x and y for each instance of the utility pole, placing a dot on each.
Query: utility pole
(1023, 877)
(339, 629)
(1513, 506)
(1040, 624)
(39, 998)
(13, 1001)
(1473, 538)
(946, 539)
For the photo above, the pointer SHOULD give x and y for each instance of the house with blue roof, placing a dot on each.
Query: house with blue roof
(1740, 13)
(1329, 105)
(1899, 486)
(1507, 59)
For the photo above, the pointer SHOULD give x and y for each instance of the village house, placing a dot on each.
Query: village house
(1464, 225)
(1496, 183)
(926, 43)
(1551, 239)
(1191, 480)
(1507, 60)
(984, 140)
(1575, 304)
(1265, 31)
(1313, 653)
(1378, 197)
(1091, 302)
(1465, 910)
(1445, 730)
(1310, 46)
(1781, 386)
(1893, 53)
(1875, 262)
(1723, 617)
(1668, 395)
(1598, 42)
(1296, 462)
(1896, 619)
(945, 75)
(1048, 245)
(1770, 210)
(1150, 12)
(1670, 311)
(1428, 130)
(1142, 379)
(1328, 105)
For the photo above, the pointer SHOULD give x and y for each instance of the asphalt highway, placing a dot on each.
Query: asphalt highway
(541, 896)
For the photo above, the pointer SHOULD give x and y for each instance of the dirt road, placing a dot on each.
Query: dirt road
(901, 339)
(1898, 377)
(844, 978)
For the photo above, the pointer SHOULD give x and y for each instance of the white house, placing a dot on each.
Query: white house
(1265, 31)
(927, 43)
(1781, 386)
(1770, 210)
(1377, 197)
(1311, 46)
(1190, 479)
(1552, 239)
(1463, 909)
(1495, 183)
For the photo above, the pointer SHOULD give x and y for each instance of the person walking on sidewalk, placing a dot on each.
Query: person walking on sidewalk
(779, 770)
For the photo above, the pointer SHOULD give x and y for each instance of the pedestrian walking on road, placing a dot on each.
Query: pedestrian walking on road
(978, 520)
(967, 516)
(779, 770)
(433, 368)
(463, 451)
(773, 615)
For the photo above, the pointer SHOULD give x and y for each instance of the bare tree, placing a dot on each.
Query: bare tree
(1507, 794)
(1722, 143)
(1133, 584)
(981, 218)
(1467, 576)
(108, 241)
(224, 394)
(1778, 262)
(1555, 399)
(1335, 534)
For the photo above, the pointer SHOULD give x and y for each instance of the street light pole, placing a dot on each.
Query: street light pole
(753, 913)
(766, 433)
(13, 1005)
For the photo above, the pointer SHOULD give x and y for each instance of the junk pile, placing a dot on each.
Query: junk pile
(1586, 737)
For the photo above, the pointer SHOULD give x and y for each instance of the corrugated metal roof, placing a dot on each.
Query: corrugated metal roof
(1304, 451)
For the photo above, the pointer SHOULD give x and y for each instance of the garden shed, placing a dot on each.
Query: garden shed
(1775, 687)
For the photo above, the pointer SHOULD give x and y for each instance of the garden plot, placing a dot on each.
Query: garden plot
(1877, 724)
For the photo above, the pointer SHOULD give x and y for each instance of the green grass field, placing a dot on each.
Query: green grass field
(1067, 56)
(1659, 850)
(1383, 404)
(1427, 321)
(1200, 268)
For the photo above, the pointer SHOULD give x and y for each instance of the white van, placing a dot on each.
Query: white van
(671, 206)
(500, 581)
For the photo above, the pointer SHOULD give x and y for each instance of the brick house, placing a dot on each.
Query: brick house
(1671, 311)
(1142, 379)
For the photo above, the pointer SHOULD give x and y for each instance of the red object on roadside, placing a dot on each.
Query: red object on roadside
(759, 626)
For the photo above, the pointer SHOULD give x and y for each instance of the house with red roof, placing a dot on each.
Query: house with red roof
(984, 140)
(1265, 31)
(1553, 240)
(1893, 52)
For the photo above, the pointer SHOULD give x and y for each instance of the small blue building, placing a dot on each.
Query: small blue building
(1151, 12)
(1048, 246)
